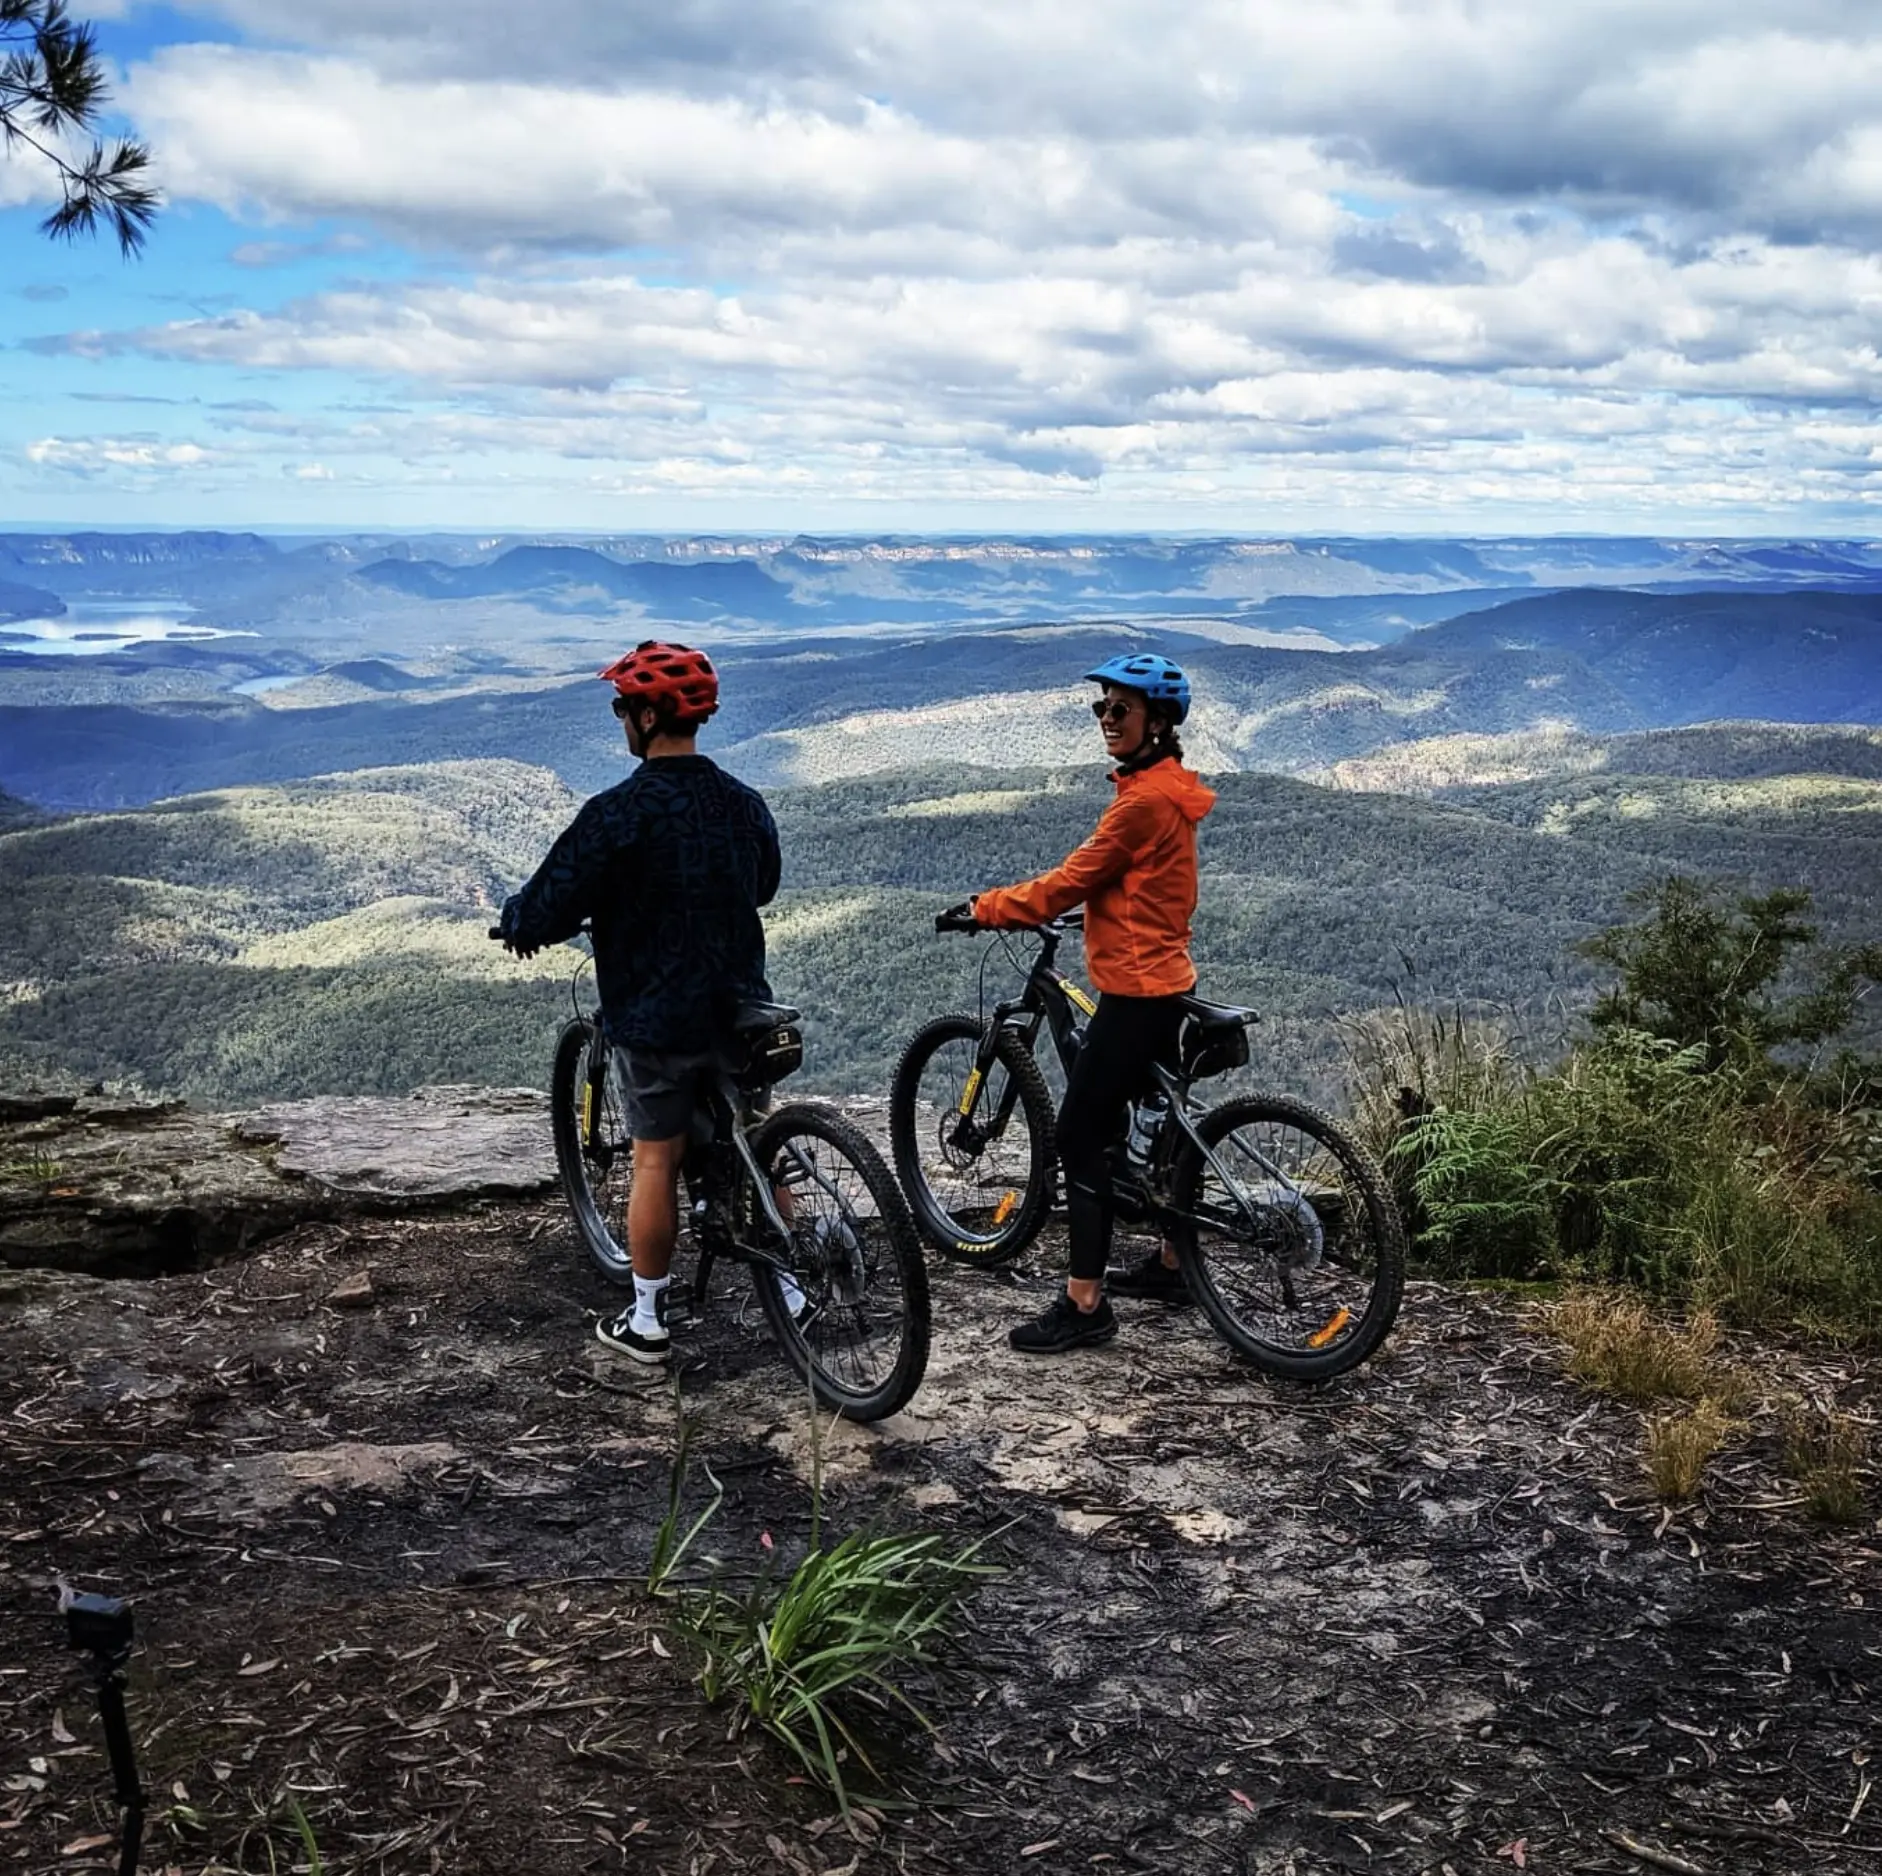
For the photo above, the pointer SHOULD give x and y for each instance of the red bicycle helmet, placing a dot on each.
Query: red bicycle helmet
(677, 680)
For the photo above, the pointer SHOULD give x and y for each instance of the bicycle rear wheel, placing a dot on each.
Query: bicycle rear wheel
(859, 1331)
(1301, 1263)
(597, 1161)
(974, 1156)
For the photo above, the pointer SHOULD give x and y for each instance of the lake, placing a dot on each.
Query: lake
(92, 626)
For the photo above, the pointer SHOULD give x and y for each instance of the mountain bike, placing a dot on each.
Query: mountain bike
(1283, 1224)
(798, 1195)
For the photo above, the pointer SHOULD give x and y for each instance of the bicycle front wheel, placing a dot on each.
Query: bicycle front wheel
(594, 1150)
(853, 1318)
(1290, 1240)
(975, 1154)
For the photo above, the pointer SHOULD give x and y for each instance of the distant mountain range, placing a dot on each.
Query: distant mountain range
(1337, 587)
(816, 709)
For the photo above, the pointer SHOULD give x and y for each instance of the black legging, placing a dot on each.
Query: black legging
(1121, 1041)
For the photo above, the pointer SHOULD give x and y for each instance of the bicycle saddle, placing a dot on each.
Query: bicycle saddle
(751, 1017)
(1215, 1015)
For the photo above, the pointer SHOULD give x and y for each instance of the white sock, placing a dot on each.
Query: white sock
(793, 1295)
(647, 1294)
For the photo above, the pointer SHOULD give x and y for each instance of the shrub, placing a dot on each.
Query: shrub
(1702, 972)
(1482, 1199)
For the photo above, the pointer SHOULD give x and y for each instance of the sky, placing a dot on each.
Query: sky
(1360, 266)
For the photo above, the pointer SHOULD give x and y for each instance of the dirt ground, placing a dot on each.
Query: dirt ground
(389, 1566)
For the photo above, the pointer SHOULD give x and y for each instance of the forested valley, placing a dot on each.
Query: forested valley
(328, 935)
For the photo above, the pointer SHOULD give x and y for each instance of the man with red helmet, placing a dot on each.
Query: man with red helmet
(669, 869)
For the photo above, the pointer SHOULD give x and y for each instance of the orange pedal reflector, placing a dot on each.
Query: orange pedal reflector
(1321, 1337)
(1004, 1210)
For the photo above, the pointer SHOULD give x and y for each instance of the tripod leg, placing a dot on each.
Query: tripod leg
(130, 1791)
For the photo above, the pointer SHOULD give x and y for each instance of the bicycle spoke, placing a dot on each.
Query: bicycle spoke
(854, 1315)
(1291, 1249)
(977, 1165)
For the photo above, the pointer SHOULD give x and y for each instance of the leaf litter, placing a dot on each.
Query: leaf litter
(390, 1567)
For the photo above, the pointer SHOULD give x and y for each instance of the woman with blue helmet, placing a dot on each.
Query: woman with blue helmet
(1136, 878)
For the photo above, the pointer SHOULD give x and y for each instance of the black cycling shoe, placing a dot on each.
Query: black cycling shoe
(1149, 1277)
(1064, 1326)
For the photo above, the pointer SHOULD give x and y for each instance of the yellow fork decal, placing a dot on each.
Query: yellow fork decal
(1004, 1210)
(1321, 1337)
(968, 1092)
(588, 1113)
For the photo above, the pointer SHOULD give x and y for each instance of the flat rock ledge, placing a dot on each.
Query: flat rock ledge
(118, 1188)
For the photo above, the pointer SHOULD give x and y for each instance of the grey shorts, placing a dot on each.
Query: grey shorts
(665, 1092)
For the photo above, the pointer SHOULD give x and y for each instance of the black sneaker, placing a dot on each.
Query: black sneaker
(652, 1347)
(1149, 1277)
(1064, 1326)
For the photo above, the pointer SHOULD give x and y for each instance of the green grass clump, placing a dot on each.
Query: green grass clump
(806, 1654)
(795, 1652)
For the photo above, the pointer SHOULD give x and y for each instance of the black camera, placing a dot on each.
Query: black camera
(98, 1625)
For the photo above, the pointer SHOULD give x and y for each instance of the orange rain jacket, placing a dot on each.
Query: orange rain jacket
(1137, 878)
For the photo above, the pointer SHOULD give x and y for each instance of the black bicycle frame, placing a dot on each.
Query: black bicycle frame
(727, 1108)
(1052, 998)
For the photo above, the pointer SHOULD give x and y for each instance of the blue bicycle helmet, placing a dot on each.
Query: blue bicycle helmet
(1156, 676)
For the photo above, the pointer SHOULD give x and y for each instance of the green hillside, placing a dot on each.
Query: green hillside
(17, 813)
(328, 935)
(1726, 751)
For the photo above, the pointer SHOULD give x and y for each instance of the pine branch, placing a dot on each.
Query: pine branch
(51, 79)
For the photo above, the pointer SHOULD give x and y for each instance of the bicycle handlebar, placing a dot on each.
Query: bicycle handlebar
(496, 931)
(960, 918)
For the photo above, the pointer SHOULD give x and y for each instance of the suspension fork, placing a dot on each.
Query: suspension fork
(1003, 1015)
(594, 1087)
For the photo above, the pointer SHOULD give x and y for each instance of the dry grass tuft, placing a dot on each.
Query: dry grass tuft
(1616, 1346)
(1679, 1445)
(1826, 1452)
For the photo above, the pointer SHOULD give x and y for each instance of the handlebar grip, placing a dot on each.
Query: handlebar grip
(496, 932)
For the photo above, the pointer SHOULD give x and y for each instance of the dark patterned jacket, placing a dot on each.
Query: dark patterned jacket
(670, 867)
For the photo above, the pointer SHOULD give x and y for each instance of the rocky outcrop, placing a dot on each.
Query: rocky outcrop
(117, 1188)
(438, 1143)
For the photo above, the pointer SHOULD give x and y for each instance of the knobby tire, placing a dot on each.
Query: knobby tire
(1384, 1242)
(889, 1235)
(597, 1199)
(954, 1235)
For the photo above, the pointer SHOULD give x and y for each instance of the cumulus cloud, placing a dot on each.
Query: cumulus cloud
(1367, 251)
(1753, 107)
(89, 457)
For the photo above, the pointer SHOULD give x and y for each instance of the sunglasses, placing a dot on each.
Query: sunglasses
(623, 707)
(1111, 710)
